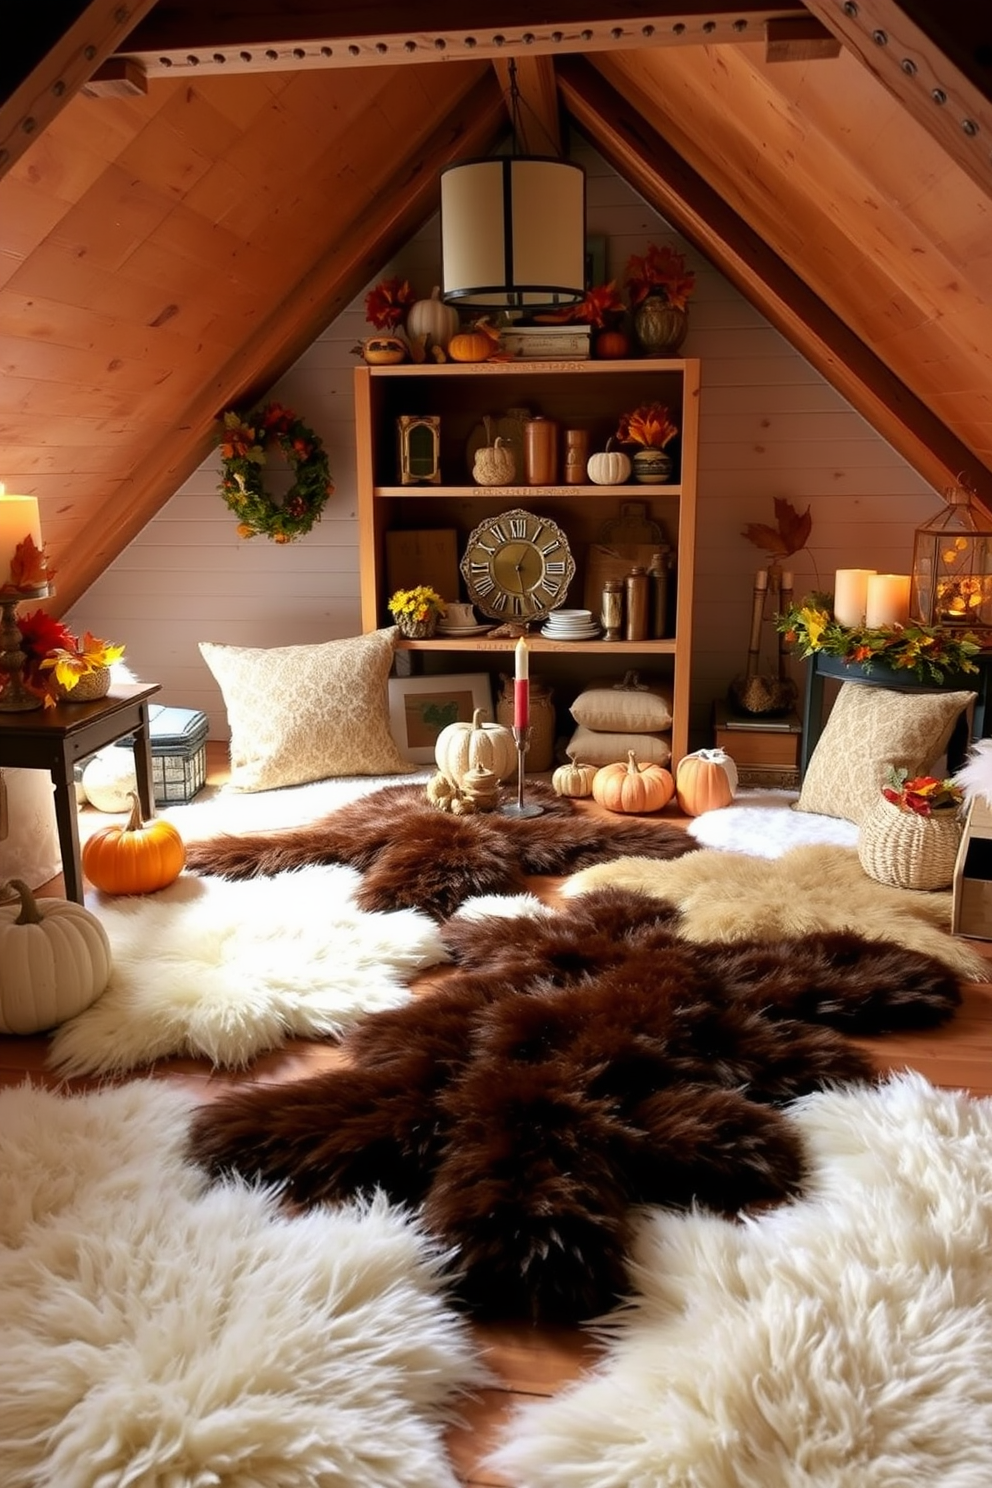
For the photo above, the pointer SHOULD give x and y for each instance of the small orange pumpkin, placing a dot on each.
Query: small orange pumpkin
(705, 781)
(633, 787)
(470, 346)
(610, 346)
(136, 857)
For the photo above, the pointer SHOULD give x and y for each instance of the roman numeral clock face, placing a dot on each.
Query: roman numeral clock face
(517, 566)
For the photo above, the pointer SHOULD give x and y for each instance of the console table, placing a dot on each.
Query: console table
(819, 667)
(54, 739)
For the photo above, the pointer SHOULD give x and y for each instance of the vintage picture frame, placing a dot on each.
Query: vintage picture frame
(420, 707)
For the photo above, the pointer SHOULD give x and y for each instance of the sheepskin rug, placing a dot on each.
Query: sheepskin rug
(227, 971)
(724, 896)
(577, 1065)
(842, 1340)
(158, 1334)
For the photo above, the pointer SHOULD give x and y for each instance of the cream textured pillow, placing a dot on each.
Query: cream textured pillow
(623, 709)
(299, 713)
(869, 729)
(592, 747)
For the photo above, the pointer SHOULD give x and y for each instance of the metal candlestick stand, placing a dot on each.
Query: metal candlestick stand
(521, 737)
(15, 697)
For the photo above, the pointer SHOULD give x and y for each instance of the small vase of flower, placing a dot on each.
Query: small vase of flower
(61, 667)
(659, 286)
(651, 428)
(416, 612)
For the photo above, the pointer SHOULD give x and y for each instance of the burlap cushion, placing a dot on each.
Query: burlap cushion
(870, 729)
(623, 710)
(299, 713)
(592, 747)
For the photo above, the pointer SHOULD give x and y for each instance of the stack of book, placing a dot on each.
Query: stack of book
(764, 747)
(547, 343)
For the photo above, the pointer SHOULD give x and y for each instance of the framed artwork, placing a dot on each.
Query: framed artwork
(420, 707)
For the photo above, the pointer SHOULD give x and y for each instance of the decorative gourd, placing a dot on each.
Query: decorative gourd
(384, 351)
(136, 857)
(54, 960)
(462, 746)
(481, 787)
(495, 464)
(705, 781)
(610, 346)
(609, 468)
(434, 319)
(470, 346)
(633, 787)
(573, 779)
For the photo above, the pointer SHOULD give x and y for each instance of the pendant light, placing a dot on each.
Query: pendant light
(513, 229)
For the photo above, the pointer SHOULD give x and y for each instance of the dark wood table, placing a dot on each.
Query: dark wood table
(54, 739)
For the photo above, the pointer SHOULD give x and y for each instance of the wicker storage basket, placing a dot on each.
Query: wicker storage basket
(909, 851)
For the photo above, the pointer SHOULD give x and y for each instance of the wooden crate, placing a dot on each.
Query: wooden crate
(971, 909)
(765, 751)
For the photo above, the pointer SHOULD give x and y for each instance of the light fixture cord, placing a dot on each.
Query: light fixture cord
(516, 99)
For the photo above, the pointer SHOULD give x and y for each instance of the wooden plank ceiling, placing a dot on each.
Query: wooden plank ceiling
(190, 191)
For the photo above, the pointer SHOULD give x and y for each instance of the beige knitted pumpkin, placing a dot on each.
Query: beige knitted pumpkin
(494, 464)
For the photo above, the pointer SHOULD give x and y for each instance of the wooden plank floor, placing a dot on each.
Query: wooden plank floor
(528, 1361)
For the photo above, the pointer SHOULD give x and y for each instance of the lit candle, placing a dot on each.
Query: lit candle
(521, 686)
(851, 595)
(18, 520)
(887, 600)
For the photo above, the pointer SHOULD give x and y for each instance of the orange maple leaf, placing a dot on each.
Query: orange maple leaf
(790, 533)
(28, 567)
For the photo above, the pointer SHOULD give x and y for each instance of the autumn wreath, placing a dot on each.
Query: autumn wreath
(244, 450)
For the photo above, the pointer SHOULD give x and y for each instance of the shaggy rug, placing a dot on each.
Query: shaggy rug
(765, 824)
(725, 896)
(844, 1340)
(157, 1334)
(227, 971)
(578, 1064)
(413, 856)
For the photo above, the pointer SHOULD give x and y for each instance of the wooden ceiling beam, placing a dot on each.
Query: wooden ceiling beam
(60, 70)
(537, 122)
(669, 184)
(182, 36)
(945, 85)
(364, 245)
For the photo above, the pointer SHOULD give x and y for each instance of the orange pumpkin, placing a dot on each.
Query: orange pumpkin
(136, 858)
(470, 346)
(610, 346)
(633, 787)
(705, 781)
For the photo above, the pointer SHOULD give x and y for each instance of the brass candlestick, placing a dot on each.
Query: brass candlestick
(14, 696)
(521, 737)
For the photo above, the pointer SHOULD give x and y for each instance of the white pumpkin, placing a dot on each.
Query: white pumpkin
(434, 319)
(609, 468)
(462, 747)
(109, 778)
(54, 960)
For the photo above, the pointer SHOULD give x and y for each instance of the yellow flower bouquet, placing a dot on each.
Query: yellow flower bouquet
(417, 611)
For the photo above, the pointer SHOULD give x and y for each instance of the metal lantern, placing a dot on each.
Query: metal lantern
(952, 565)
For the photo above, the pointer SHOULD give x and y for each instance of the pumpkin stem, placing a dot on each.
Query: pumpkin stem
(135, 821)
(633, 768)
(30, 914)
(477, 718)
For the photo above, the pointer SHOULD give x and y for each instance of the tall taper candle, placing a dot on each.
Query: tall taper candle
(851, 595)
(521, 686)
(18, 520)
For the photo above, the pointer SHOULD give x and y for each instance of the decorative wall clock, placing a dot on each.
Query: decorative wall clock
(517, 566)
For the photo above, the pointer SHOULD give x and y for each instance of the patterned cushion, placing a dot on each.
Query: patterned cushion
(299, 713)
(870, 729)
(623, 710)
(593, 747)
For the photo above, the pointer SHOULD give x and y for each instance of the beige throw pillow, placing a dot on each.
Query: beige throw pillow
(622, 709)
(593, 747)
(869, 729)
(300, 713)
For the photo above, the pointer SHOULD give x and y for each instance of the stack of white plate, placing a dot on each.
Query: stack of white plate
(570, 625)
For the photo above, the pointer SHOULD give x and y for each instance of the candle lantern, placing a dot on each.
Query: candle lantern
(952, 565)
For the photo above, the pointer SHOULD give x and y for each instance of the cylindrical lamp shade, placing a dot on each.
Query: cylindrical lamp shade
(513, 233)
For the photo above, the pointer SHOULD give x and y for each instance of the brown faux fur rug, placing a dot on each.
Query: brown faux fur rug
(416, 857)
(576, 1065)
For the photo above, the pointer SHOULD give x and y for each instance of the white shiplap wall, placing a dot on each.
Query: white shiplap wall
(770, 426)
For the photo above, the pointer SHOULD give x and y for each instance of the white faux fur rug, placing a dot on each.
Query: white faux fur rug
(841, 1342)
(229, 970)
(158, 1334)
(764, 824)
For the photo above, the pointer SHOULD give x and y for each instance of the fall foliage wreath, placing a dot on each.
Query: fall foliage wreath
(244, 449)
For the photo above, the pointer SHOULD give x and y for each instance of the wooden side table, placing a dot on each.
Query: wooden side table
(54, 739)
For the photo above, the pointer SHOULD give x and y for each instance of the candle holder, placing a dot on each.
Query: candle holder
(15, 697)
(521, 737)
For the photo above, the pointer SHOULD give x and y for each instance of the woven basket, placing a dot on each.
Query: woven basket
(909, 851)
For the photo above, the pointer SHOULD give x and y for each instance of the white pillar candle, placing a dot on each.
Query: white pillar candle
(18, 520)
(888, 600)
(851, 595)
